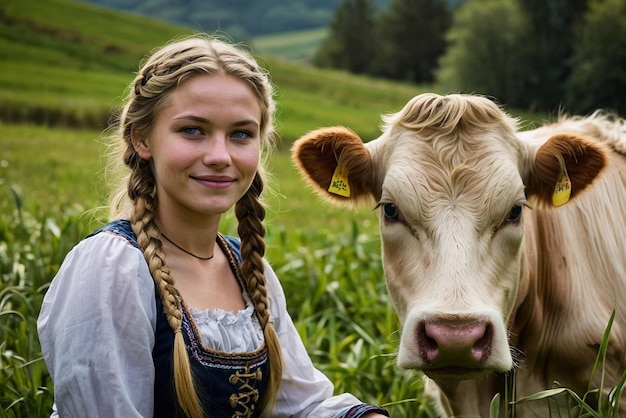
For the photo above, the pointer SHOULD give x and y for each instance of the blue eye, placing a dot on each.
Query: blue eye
(241, 135)
(191, 130)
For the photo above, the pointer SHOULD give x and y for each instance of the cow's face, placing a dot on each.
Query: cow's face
(451, 179)
(451, 226)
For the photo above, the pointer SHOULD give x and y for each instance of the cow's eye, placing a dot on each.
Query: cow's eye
(515, 214)
(391, 212)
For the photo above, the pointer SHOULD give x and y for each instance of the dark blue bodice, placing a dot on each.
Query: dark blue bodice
(229, 384)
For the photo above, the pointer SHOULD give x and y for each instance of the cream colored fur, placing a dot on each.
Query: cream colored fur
(456, 257)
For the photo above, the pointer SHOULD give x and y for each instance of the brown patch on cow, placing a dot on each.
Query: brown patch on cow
(318, 153)
(583, 158)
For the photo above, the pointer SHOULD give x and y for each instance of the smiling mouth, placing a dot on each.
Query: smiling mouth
(213, 179)
(214, 183)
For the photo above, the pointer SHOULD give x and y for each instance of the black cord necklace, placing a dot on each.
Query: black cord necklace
(185, 251)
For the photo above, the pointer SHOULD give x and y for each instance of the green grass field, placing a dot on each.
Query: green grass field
(330, 270)
(65, 66)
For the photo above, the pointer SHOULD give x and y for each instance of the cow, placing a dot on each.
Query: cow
(503, 249)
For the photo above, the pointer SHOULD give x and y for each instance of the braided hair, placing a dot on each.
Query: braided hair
(135, 198)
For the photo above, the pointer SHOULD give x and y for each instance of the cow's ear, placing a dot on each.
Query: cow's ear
(564, 166)
(336, 163)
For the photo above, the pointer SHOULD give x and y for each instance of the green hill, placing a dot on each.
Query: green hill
(67, 63)
(298, 46)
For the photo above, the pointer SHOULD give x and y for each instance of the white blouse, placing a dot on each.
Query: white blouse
(221, 330)
(97, 327)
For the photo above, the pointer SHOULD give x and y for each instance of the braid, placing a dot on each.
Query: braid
(250, 214)
(147, 232)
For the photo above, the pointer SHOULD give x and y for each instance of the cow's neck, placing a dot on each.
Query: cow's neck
(471, 397)
(544, 289)
(543, 300)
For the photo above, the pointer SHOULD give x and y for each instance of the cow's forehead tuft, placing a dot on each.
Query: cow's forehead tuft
(480, 154)
(485, 192)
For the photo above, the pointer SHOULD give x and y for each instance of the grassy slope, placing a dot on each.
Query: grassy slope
(68, 63)
(63, 58)
(292, 46)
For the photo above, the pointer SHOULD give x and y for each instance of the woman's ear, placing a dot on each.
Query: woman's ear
(138, 140)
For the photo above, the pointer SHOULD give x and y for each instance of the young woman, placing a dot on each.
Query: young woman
(158, 314)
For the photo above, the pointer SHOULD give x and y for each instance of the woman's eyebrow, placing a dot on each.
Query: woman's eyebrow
(192, 117)
(246, 122)
(200, 119)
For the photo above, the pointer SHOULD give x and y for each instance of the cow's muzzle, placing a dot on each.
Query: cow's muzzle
(455, 346)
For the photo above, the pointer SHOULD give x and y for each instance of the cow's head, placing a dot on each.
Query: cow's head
(452, 181)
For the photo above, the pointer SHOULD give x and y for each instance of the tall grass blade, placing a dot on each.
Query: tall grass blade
(494, 407)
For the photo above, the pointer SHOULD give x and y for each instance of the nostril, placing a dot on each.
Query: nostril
(481, 347)
(428, 346)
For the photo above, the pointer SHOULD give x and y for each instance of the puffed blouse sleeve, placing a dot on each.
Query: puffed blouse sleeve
(305, 392)
(96, 329)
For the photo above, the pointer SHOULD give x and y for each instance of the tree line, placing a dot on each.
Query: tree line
(539, 55)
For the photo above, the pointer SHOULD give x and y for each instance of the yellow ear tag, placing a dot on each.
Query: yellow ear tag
(339, 183)
(563, 188)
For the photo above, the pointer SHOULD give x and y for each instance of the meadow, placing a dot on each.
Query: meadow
(65, 67)
(50, 184)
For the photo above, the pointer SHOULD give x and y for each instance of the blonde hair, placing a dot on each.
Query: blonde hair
(161, 74)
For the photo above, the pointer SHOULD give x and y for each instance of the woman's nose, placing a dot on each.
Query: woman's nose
(216, 152)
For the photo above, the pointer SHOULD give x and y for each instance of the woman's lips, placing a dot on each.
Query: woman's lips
(221, 182)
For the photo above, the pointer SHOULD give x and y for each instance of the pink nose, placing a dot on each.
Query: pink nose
(448, 344)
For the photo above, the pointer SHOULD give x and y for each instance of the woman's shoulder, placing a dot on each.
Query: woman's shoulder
(119, 227)
(106, 252)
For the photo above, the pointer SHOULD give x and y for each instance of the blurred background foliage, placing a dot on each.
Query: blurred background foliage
(537, 55)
